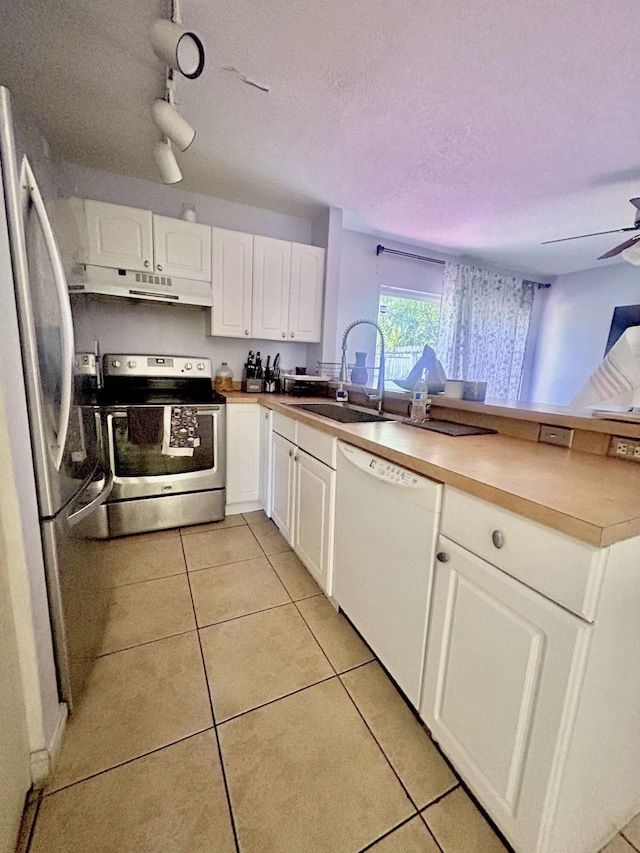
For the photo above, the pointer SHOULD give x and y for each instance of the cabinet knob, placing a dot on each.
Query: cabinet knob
(159, 267)
(497, 538)
(292, 334)
(291, 453)
(246, 331)
(146, 263)
(284, 334)
(442, 557)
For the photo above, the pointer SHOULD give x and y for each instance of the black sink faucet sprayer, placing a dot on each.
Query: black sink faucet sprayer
(378, 395)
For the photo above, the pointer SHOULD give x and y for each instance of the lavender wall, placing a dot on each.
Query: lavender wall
(575, 326)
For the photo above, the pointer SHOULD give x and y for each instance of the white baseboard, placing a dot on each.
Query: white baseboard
(247, 506)
(44, 761)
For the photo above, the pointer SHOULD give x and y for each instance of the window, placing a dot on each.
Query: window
(409, 319)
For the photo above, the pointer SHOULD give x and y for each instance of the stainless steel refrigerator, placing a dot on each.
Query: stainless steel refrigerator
(71, 480)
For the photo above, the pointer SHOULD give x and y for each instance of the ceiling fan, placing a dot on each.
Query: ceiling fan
(622, 246)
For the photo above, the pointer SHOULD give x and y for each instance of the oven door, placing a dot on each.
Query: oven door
(142, 470)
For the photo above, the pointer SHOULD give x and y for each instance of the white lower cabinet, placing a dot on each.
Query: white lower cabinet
(314, 507)
(303, 489)
(503, 671)
(282, 484)
(266, 426)
(243, 456)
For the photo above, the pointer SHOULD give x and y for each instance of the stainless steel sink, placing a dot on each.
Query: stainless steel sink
(342, 413)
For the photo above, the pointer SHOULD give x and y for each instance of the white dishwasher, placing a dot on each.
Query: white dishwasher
(387, 521)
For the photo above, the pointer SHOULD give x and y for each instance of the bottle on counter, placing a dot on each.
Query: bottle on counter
(420, 402)
(223, 380)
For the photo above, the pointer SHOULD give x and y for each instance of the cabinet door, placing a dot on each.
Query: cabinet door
(315, 486)
(182, 248)
(282, 481)
(243, 452)
(271, 274)
(232, 272)
(118, 236)
(266, 422)
(305, 298)
(503, 668)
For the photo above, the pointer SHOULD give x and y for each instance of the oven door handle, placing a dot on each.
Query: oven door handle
(110, 442)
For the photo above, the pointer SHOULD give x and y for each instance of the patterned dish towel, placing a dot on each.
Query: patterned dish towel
(180, 434)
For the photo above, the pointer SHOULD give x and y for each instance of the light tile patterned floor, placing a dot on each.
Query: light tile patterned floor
(233, 709)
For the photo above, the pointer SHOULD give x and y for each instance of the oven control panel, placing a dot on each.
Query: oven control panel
(156, 365)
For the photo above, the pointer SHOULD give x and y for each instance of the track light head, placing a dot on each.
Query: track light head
(179, 49)
(172, 125)
(167, 163)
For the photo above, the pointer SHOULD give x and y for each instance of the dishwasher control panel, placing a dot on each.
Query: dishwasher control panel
(393, 473)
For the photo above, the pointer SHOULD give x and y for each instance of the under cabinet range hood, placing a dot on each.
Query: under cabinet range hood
(150, 287)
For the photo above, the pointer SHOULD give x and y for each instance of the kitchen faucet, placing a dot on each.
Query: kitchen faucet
(378, 395)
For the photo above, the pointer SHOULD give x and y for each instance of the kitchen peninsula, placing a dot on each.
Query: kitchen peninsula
(578, 491)
(530, 682)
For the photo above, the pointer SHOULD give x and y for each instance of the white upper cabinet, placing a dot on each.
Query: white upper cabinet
(118, 236)
(232, 273)
(182, 248)
(305, 297)
(271, 274)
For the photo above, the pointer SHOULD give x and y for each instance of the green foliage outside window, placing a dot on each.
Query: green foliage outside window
(409, 322)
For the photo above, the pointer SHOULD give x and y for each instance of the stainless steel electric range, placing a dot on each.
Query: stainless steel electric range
(158, 486)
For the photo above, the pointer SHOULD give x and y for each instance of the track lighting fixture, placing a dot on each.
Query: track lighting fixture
(172, 125)
(180, 49)
(167, 163)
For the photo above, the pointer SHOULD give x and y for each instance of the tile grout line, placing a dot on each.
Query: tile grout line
(277, 699)
(124, 763)
(388, 833)
(213, 715)
(428, 806)
(377, 743)
(147, 580)
(621, 832)
(242, 616)
(301, 614)
(145, 643)
(32, 828)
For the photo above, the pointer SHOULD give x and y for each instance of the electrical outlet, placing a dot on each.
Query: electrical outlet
(624, 448)
(560, 436)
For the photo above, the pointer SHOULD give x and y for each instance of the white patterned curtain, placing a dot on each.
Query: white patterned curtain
(484, 324)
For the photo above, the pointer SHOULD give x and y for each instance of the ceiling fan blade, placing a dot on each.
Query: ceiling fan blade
(580, 236)
(618, 249)
(635, 202)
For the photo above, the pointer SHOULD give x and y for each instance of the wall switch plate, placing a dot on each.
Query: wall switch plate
(624, 448)
(560, 436)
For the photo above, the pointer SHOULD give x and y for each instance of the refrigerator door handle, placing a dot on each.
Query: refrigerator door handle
(30, 192)
(88, 508)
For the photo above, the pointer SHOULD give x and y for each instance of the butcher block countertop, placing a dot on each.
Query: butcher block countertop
(591, 497)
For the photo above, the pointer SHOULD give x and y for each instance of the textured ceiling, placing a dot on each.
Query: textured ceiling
(480, 128)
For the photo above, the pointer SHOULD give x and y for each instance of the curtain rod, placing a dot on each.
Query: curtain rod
(380, 249)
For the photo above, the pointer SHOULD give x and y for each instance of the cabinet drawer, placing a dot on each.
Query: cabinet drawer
(286, 427)
(564, 569)
(318, 444)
